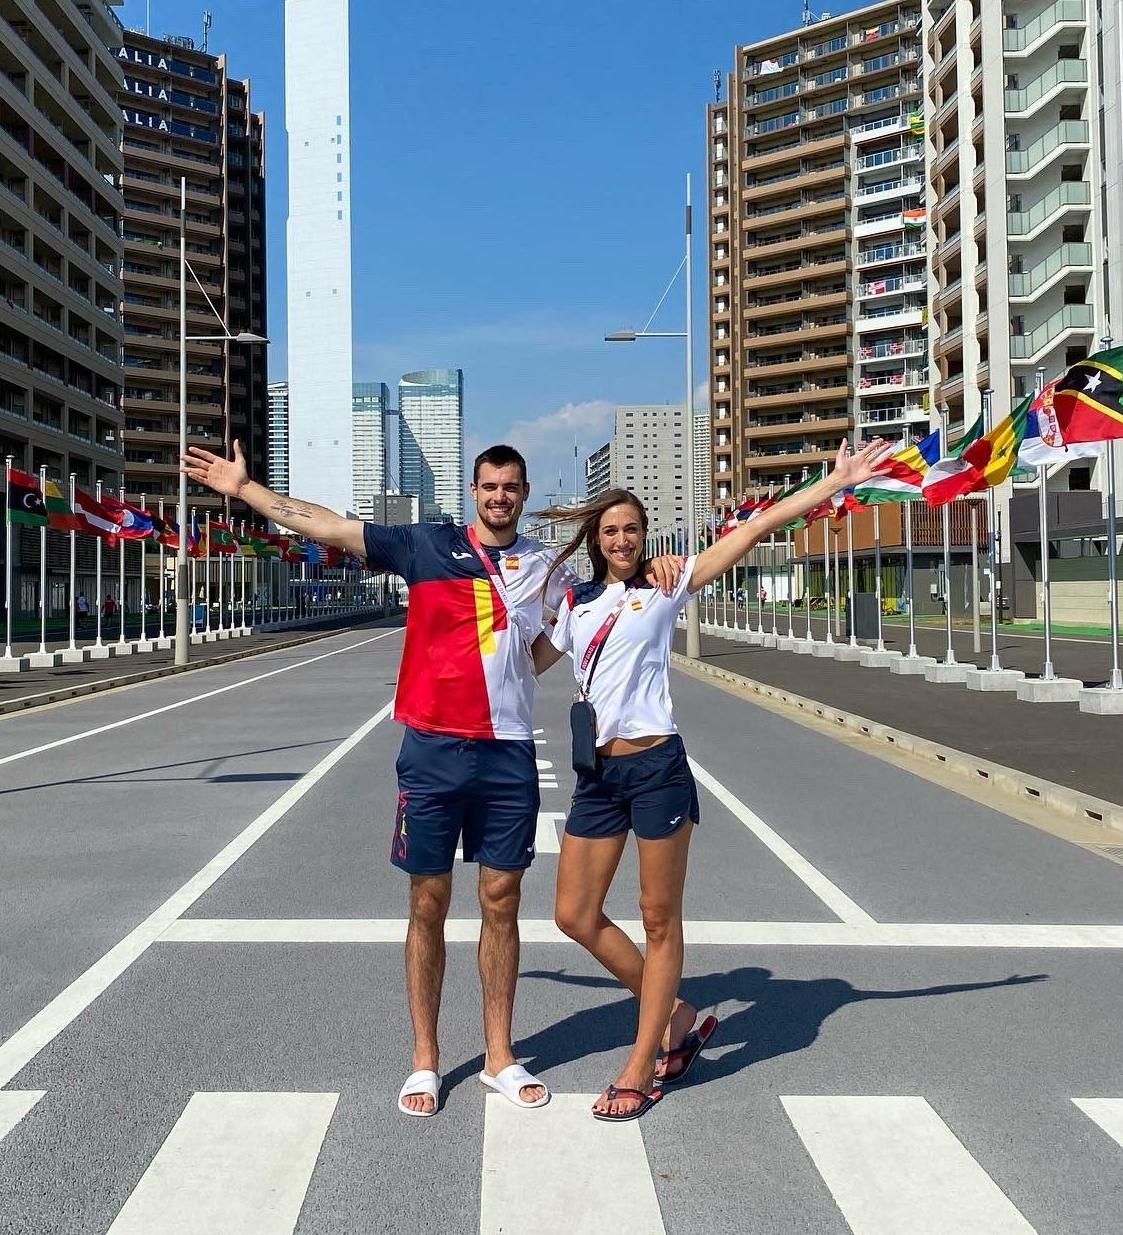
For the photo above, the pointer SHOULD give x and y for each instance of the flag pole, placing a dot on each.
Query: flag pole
(161, 542)
(121, 576)
(73, 566)
(850, 579)
(1047, 674)
(207, 579)
(758, 550)
(194, 574)
(949, 654)
(877, 570)
(1116, 680)
(221, 575)
(43, 567)
(827, 574)
(143, 579)
(992, 536)
(7, 558)
(97, 572)
(837, 587)
(908, 571)
(807, 579)
(772, 570)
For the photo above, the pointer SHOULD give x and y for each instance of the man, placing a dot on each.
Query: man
(467, 766)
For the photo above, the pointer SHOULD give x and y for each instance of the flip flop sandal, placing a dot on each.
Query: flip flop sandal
(510, 1081)
(424, 1081)
(647, 1101)
(688, 1052)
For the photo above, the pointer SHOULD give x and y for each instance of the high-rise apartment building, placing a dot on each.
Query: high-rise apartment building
(279, 437)
(370, 404)
(431, 442)
(815, 243)
(703, 473)
(60, 247)
(317, 116)
(649, 458)
(598, 472)
(187, 119)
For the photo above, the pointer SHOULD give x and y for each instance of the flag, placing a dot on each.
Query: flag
(268, 544)
(844, 502)
(952, 475)
(981, 464)
(196, 539)
(165, 532)
(291, 549)
(1043, 444)
(1088, 400)
(900, 477)
(313, 553)
(25, 499)
(916, 124)
(247, 544)
(59, 515)
(132, 523)
(912, 219)
(95, 518)
(222, 538)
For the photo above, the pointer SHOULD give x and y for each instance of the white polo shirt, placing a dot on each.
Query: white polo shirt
(630, 687)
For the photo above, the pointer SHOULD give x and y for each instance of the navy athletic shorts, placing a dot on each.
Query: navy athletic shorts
(479, 791)
(651, 792)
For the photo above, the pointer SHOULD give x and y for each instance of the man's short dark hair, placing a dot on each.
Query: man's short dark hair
(498, 456)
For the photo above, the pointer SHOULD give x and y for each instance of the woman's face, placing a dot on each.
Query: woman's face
(620, 539)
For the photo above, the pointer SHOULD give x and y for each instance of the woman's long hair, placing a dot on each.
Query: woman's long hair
(588, 518)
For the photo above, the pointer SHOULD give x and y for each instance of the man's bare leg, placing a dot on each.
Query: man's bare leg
(425, 970)
(499, 969)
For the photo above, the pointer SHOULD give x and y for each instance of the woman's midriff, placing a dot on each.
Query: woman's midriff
(631, 746)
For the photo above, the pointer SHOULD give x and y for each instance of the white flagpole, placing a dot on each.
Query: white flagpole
(1115, 682)
(8, 606)
(221, 573)
(807, 578)
(850, 579)
(143, 580)
(1047, 673)
(788, 568)
(207, 580)
(97, 572)
(73, 567)
(758, 549)
(121, 576)
(772, 569)
(194, 573)
(908, 570)
(877, 572)
(992, 533)
(949, 654)
(837, 588)
(161, 542)
(43, 567)
(827, 574)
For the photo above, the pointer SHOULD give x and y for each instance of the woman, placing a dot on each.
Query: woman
(619, 632)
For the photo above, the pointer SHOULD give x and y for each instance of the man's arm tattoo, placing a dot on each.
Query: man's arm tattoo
(286, 507)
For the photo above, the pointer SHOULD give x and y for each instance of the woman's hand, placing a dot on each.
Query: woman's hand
(664, 572)
(852, 469)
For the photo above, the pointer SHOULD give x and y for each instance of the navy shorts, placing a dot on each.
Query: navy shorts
(652, 792)
(479, 791)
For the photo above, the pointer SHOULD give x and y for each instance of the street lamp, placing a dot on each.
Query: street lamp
(182, 629)
(693, 627)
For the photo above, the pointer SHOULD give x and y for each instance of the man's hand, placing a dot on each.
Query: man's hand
(665, 572)
(222, 475)
(853, 469)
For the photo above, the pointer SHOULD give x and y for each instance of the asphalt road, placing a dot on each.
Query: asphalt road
(202, 1025)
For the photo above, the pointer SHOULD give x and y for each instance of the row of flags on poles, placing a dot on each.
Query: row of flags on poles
(1069, 418)
(31, 504)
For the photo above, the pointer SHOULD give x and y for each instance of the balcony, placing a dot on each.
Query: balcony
(890, 253)
(820, 424)
(1023, 39)
(1027, 223)
(1069, 257)
(1073, 317)
(1056, 77)
(1066, 133)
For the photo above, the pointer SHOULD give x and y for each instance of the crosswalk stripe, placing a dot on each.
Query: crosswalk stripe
(893, 1165)
(14, 1105)
(1107, 1112)
(558, 1171)
(233, 1162)
(545, 835)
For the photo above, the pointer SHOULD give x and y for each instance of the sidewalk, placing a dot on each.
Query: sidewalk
(35, 687)
(1053, 741)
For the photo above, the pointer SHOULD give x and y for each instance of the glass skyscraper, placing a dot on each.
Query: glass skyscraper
(370, 403)
(431, 442)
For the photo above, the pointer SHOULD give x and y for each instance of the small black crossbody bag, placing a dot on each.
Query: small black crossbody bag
(582, 714)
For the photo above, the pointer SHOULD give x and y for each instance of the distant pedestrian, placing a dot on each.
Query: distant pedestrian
(109, 606)
(82, 609)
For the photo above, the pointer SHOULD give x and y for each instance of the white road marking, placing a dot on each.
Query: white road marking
(182, 703)
(545, 835)
(544, 765)
(14, 1105)
(559, 1171)
(833, 897)
(893, 1165)
(27, 1042)
(698, 934)
(1107, 1112)
(233, 1162)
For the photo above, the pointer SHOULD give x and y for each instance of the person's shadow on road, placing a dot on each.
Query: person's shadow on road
(783, 1015)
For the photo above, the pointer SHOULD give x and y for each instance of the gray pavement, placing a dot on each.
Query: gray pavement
(984, 1046)
(1054, 741)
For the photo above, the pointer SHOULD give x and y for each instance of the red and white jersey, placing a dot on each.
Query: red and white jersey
(630, 686)
(466, 668)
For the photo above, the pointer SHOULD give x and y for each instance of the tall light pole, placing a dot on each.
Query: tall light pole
(693, 622)
(182, 588)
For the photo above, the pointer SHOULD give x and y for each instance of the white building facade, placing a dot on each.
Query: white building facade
(649, 458)
(278, 430)
(431, 442)
(369, 405)
(317, 117)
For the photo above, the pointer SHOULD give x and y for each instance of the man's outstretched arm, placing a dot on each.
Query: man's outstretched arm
(230, 477)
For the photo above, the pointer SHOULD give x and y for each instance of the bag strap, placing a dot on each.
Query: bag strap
(489, 566)
(597, 642)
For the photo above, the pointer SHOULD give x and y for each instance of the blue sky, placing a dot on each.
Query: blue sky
(518, 176)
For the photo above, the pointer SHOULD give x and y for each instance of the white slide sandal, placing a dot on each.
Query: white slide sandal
(512, 1079)
(424, 1081)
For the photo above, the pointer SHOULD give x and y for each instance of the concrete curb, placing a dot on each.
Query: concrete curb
(28, 702)
(1021, 785)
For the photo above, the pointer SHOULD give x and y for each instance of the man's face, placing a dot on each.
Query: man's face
(500, 494)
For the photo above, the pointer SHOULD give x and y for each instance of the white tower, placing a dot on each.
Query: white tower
(317, 117)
